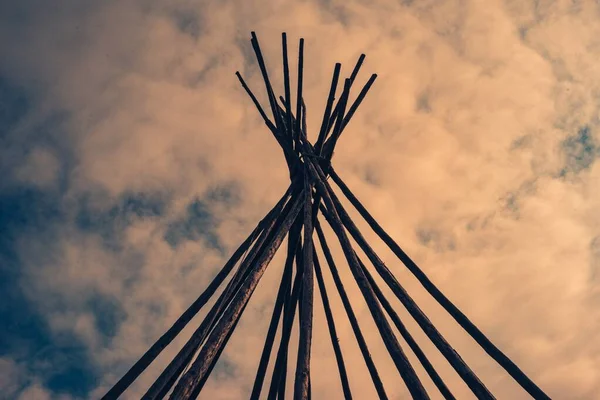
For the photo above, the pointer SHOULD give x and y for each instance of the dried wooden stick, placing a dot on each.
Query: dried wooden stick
(402, 364)
(465, 372)
(518, 375)
(362, 344)
(437, 380)
(286, 83)
(327, 114)
(265, 75)
(332, 331)
(140, 366)
(283, 141)
(190, 380)
(332, 141)
(172, 372)
(338, 122)
(304, 128)
(306, 311)
(336, 112)
(196, 392)
(153, 352)
(435, 377)
(299, 91)
(280, 368)
(284, 290)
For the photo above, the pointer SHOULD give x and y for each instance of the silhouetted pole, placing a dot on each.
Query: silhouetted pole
(310, 167)
(519, 376)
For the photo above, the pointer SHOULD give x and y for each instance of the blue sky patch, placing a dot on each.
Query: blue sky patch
(580, 151)
(111, 223)
(14, 105)
(60, 362)
(198, 223)
(187, 21)
(108, 315)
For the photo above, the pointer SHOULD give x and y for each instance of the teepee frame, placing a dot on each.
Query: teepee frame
(295, 216)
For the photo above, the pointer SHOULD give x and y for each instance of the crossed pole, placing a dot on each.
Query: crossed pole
(309, 201)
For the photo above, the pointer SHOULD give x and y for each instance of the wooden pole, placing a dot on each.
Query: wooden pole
(286, 84)
(279, 371)
(332, 331)
(465, 372)
(278, 381)
(262, 113)
(265, 75)
(284, 290)
(140, 366)
(332, 141)
(327, 113)
(304, 126)
(336, 112)
(190, 380)
(362, 344)
(283, 141)
(518, 375)
(202, 382)
(301, 391)
(403, 331)
(172, 372)
(299, 90)
(435, 377)
(402, 364)
(308, 162)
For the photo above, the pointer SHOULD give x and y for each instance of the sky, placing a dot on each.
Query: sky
(133, 165)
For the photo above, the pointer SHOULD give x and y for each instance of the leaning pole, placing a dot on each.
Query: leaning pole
(297, 220)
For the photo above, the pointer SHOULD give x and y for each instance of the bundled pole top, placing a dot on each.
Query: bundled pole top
(306, 206)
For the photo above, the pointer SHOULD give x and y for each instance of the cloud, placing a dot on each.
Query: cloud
(40, 168)
(9, 382)
(133, 165)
